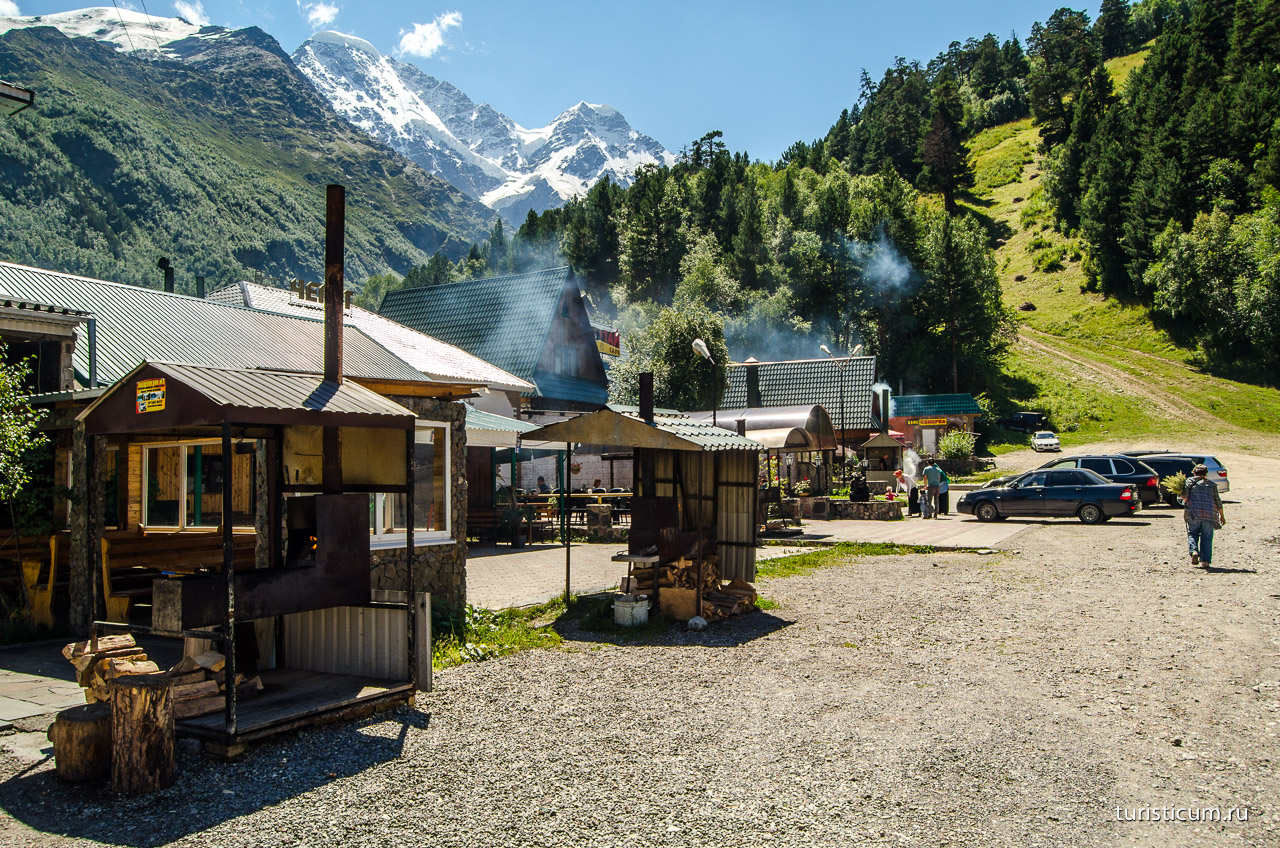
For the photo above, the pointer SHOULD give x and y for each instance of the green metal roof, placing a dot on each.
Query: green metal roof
(480, 420)
(906, 406)
(502, 320)
(804, 382)
(136, 324)
(570, 388)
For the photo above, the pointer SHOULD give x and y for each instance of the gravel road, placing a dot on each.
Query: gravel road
(951, 699)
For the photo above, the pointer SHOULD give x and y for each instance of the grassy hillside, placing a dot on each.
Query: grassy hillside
(1099, 367)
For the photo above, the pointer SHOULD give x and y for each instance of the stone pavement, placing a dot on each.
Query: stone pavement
(35, 680)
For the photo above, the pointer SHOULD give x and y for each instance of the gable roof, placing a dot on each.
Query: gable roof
(804, 382)
(503, 320)
(623, 426)
(438, 360)
(137, 324)
(904, 406)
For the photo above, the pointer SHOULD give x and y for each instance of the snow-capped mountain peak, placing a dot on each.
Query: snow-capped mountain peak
(481, 151)
(129, 30)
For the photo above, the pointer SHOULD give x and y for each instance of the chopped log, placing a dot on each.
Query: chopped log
(86, 664)
(186, 666)
(97, 695)
(105, 643)
(249, 688)
(142, 727)
(204, 689)
(81, 738)
(211, 661)
(188, 679)
(198, 706)
(114, 667)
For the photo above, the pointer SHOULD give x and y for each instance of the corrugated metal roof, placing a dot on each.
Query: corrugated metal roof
(570, 388)
(503, 320)
(438, 360)
(811, 381)
(479, 420)
(703, 433)
(902, 406)
(9, 301)
(670, 431)
(237, 388)
(136, 324)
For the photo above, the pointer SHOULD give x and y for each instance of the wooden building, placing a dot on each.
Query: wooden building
(923, 419)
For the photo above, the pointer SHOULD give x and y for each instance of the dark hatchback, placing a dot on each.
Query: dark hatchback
(1061, 493)
(1118, 469)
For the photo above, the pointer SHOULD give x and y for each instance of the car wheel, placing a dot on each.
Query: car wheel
(987, 511)
(1092, 514)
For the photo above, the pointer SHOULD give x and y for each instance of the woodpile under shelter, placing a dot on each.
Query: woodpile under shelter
(695, 495)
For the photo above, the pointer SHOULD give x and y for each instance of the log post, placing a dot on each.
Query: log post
(142, 725)
(81, 738)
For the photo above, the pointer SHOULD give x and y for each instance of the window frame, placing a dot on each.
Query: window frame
(182, 525)
(388, 537)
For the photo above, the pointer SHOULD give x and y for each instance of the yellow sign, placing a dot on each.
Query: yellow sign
(151, 395)
(608, 349)
(928, 422)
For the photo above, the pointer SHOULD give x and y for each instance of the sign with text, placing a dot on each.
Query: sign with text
(151, 395)
(928, 422)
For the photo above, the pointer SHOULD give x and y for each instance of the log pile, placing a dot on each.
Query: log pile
(720, 598)
(199, 683)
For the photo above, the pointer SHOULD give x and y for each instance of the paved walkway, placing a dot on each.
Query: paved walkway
(502, 576)
(36, 680)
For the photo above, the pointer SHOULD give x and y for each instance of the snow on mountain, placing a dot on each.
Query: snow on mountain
(129, 30)
(481, 151)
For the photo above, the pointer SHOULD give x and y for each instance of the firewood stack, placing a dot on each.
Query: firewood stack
(737, 597)
(199, 683)
(720, 599)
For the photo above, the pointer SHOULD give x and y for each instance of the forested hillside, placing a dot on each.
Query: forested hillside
(216, 157)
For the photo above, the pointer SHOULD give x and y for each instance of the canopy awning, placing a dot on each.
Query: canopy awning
(787, 428)
(669, 431)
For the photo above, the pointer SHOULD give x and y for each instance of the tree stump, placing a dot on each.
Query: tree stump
(81, 738)
(142, 727)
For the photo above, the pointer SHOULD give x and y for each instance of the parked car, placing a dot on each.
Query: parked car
(1044, 440)
(1118, 469)
(1024, 422)
(1217, 471)
(1167, 465)
(1061, 493)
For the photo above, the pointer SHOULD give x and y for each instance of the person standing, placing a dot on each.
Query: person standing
(1203, 515)
(944, 492)
(932, 480)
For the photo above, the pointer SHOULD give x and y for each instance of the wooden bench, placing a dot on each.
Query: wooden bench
(482, 523)
(131, 562)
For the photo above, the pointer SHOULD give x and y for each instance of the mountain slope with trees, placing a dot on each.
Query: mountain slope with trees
(215, 156)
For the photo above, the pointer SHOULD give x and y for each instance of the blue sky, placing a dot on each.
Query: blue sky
(766, 74)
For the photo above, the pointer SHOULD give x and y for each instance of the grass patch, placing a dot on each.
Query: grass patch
(1121, 67)
(797, 564)
(980, 477)
(999, 155)
(480, 634)
(594, 614)
(766, 603)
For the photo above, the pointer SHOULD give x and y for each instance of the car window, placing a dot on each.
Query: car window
(1100, 464)
(1123, 466)
(1036, 479)
(1060, 463)
(1092, 478)
(1064, 478)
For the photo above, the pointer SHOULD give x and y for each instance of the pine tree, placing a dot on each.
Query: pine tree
(1113, 28)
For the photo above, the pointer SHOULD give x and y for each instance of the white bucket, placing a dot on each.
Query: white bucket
(630, 610)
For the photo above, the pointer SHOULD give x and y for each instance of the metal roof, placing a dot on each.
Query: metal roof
(9, 301)
(503, 320)
(135, 324)
(803, 382)
(480, 420)
(671, 431)
(574, 389)
(242, 393)
(902, 406)
(438, 360)
(790, 427)
(14, 99)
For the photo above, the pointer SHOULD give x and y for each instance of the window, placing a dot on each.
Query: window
(184, 484)
(1036, 479)
(1100, 464)
(431, 490)
(566, 362)
(1124, 466)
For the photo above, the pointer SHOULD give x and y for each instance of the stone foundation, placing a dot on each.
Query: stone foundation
(869, 510)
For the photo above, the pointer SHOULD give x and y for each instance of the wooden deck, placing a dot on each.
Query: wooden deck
(293, 698)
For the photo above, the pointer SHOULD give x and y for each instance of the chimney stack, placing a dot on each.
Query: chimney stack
(742, 427)
(335, 221)
(753, 384)
(200, 287)
(164, 265)
(646, 396)
(884, 410)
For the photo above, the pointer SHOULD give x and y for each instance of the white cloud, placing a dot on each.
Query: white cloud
(319, 14)
(192, 12)
(9, 9)
(425, 40)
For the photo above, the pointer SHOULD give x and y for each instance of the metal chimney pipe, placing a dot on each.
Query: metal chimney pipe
(335, 221)
(93, 353)
(753, 385)
(884, 410)
(165, 266)
(200, 287)
(742, 427)
(646, 396)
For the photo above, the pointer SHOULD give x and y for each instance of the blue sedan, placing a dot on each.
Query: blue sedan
(1061, 493)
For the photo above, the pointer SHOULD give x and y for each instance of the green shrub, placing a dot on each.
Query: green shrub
(957, 444)
(1049, 260)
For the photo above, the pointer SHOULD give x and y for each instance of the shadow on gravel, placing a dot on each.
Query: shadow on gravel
(1213, 569)
(208, 792)
(590, 619)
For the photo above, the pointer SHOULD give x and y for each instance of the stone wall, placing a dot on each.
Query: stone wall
(439, 568)
(869, 510)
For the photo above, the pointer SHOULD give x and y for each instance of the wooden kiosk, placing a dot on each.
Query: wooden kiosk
(323, 445)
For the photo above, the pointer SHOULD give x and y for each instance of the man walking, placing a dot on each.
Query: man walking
(932, 480)
(1204, 515)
